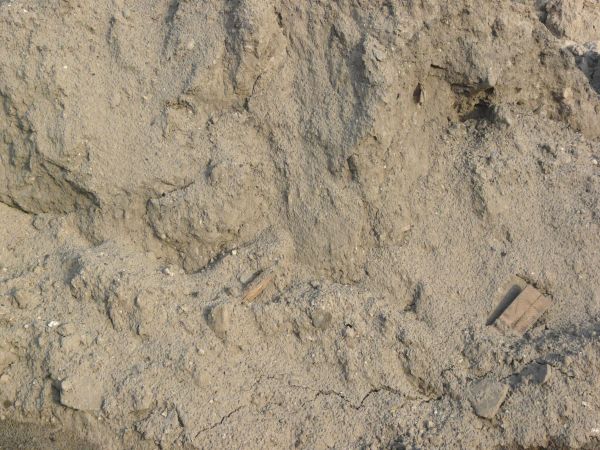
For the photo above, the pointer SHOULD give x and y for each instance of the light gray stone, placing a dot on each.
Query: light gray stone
(487, 396)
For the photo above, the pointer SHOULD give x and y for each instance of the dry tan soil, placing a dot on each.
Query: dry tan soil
(288, 223)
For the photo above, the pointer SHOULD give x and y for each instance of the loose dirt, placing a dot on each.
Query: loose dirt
(277, 223)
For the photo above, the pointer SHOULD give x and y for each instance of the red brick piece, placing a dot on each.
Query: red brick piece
(522, 313)
(532, 314)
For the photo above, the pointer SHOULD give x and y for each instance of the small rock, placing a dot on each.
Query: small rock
(83, 393)
(491, 77)
(24, 299)
(543, 374)
(537, 373)
(142, 399)
(406, 228)
(220, 318)
(349, 332)
(53, 324)
(487, 396)
(502, 116)
(6, 359)
(67, 329)
(74, 342)
(595, 162)
(379, 54)
(419, 94)
(568, 361)
(115, 100)
(39, 222)
(320, 318)
(246, 277)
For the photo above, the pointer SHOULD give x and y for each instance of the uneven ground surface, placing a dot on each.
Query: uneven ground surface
(392, 164)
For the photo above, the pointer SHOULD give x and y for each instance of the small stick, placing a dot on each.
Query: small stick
(258, 285)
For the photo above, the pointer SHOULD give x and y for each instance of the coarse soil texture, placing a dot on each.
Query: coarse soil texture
(289, 224)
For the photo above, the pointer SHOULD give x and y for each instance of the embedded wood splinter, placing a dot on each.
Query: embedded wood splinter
(258, 285)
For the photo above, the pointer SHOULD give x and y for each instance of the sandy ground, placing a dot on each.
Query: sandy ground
(289, 224)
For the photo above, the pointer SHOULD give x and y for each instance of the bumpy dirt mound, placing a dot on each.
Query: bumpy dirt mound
(272, 223)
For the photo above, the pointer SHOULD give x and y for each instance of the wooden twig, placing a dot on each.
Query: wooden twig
(258, 285)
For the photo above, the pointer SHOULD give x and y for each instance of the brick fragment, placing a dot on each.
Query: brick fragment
(523, 312)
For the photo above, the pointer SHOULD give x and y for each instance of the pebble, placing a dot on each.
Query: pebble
(115, 100)
(220, 318)
(320, 318)
(38, 222)
(379, 54)
(349, 332)
(67, 329)
(542, 373)
(595, 161)
(487, 396)
(53, 324)
(24, 299)
(6, 359)
(568, 360)
(142, 399)
(82, 393)
(246, 277)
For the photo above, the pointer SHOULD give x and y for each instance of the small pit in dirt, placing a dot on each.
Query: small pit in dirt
(476, 105)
